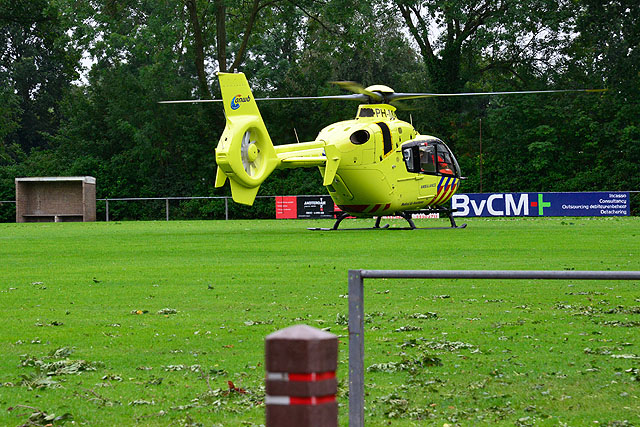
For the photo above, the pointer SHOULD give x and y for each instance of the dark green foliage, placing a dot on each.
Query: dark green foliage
(80, 81)
(37, 65)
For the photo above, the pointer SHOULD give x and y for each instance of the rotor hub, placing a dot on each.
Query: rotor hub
(252, 153)
(380, 88)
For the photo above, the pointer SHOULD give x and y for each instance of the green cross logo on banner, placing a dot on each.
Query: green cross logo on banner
(542, 204)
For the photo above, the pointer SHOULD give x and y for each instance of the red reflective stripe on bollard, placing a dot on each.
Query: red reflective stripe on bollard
(325, 375)
(314, 376)
(313, 400)
(302, 377)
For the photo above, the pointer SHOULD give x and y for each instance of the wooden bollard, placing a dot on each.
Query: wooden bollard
(301, 383)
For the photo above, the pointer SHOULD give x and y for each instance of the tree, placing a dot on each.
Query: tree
(459, 40)
(607, 48)
(37, 66)
(10, 113)
(205, 17)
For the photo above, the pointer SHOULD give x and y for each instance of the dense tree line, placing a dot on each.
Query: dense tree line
(80, 82)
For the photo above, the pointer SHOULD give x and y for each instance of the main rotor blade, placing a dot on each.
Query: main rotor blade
(364, 95)
(400, 96)
(190, 101)
(354, 97)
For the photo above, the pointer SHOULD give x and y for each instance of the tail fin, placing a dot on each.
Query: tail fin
(245, 153)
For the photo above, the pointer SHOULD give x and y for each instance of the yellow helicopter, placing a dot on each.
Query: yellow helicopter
(373, 166)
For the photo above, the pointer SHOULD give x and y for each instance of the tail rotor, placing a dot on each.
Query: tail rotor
(250, 154)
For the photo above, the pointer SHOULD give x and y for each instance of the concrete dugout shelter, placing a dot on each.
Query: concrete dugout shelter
(56, 199)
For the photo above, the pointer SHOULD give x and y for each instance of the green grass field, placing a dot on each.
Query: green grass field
(146, 322)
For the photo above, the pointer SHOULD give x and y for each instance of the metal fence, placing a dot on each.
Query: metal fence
(356, 310)
(228, 208)
(166, 200)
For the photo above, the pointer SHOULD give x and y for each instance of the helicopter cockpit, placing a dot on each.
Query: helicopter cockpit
(430, 156)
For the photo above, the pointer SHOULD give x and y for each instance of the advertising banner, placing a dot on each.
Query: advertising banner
(315, 207)
(541, 204)
(286, 207)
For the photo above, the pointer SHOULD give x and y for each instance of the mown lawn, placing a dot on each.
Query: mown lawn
(148, 322)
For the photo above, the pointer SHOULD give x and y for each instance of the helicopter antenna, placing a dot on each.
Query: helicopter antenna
(296, 132)
(411, 119)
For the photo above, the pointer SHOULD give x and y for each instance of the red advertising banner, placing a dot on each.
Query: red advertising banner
(286, 207)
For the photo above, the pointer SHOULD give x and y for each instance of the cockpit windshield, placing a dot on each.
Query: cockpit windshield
(430, 156)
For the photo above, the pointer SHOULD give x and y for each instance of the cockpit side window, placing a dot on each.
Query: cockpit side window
(430, 157)
(427, 158)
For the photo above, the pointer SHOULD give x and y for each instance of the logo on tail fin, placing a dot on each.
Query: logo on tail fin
(235, 102)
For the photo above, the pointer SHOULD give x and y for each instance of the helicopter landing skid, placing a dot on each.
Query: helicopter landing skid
(405, 215)
(345, 215)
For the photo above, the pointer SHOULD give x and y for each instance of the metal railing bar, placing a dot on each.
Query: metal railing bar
(356, 310)
(501, 274)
